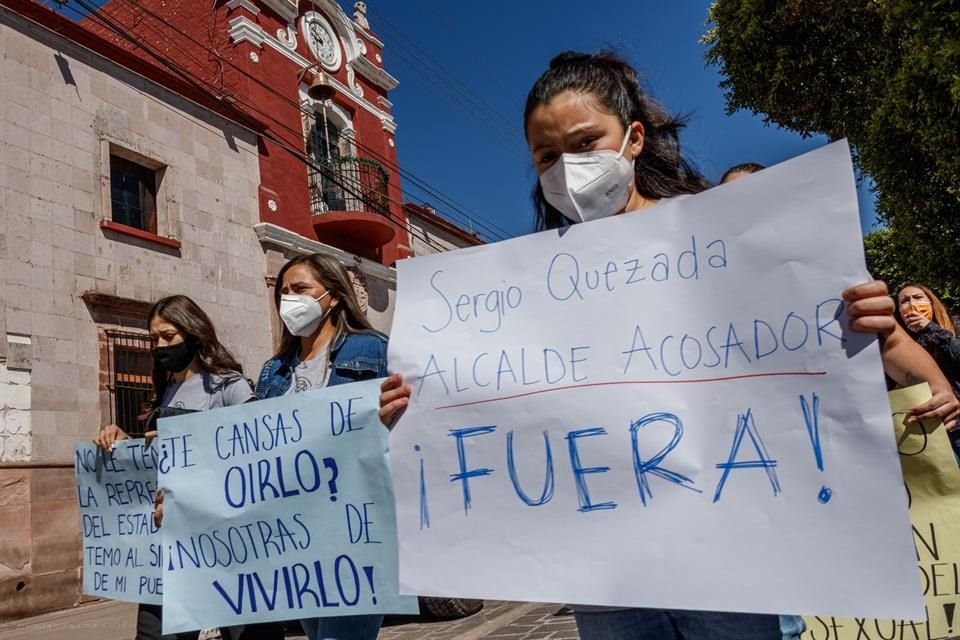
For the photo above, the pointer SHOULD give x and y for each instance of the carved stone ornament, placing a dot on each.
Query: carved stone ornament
(352, 82)
(360, 286)
(288, 37)
(360, 15)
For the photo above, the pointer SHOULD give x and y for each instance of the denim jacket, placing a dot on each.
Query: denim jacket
(354, 357)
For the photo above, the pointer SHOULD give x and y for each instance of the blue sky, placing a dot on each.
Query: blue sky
(473, 151)
(499, 48)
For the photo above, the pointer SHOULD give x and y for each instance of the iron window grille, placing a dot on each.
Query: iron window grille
(130, 379)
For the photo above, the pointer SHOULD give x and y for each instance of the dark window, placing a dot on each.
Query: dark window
(133, 194)
(130, 379)
(327, 192)
(325, 142)
(340, 182)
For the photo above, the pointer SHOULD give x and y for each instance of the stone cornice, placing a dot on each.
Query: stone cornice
(366, 34)
(243, 4)
(276, 236)
(286, 9)
(243, 29)
(375, 74)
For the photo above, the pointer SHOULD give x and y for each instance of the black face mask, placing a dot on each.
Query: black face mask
(177, 357)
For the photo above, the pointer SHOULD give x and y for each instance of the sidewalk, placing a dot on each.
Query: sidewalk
(497, 621)
(96, 621)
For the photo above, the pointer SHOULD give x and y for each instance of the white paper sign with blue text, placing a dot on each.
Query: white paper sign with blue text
(122, 554)
(659, 409)
(278, 510)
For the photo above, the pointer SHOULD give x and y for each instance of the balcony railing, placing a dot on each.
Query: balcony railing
(348, 183)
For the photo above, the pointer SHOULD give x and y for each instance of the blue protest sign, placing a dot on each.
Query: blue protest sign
(122, 554)
(279, 510)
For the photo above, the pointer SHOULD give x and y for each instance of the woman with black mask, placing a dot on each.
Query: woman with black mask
(192, 371)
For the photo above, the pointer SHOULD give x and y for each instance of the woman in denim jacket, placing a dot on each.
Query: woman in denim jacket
(326, 340)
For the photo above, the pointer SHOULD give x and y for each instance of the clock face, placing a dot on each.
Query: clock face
(323, 42)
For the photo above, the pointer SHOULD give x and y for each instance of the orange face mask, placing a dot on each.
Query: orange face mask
(923, 308)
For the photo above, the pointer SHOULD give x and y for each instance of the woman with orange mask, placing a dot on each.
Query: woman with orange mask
(925, 317)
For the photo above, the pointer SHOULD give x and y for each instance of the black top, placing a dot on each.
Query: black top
(945, 349)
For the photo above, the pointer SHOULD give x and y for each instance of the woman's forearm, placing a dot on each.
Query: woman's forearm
(908, 363)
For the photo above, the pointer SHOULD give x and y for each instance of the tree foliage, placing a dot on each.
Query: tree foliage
(883, 73)
(889, 260)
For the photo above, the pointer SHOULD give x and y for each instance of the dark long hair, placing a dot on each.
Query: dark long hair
(661, 170)
(347, 316)
(746, 167)
(195, 325)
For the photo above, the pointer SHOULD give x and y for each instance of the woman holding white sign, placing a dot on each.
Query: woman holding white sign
(326, 340)
(192, 371)
(602, 147)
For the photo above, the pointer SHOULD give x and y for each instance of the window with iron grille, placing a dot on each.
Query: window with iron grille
(340, 181)
(327, 191)
(130, 371)
(133, 194)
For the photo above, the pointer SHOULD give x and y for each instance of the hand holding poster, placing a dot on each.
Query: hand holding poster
(649, 409)
(278, 510)
(121, 547)
(933, 485)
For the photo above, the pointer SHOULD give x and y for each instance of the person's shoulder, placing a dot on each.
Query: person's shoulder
(270, 362)
(276, 360)
(233, 388)
(367, 336)
(368, 343)
(228, 380)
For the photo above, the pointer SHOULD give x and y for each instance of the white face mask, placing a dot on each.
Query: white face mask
(591, 185)
(302, 314)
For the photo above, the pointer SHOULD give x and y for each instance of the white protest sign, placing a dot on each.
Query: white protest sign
(278, 510)
(659, 409)
(122, 554)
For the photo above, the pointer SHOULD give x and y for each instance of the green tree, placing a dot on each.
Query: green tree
(882, 259)
(883, 73)
(892, 258)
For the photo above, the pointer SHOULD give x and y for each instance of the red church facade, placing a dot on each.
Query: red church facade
(327, 168)
(165, 147)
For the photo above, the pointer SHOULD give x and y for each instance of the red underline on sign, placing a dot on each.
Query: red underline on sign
(778, 374)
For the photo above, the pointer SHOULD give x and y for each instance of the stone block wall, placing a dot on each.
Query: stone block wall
(63, 110)
(15, 443)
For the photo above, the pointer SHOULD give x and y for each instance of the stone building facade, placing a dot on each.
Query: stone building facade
(122, 181)
(328, 168)
(430, 233)
(75, 286)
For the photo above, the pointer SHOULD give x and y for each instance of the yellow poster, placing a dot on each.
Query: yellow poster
(933, 485)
